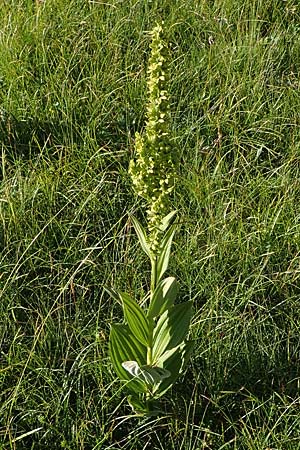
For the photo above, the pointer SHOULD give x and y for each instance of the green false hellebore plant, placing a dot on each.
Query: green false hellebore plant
(150, 350)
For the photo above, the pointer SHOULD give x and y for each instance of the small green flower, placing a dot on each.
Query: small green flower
(153, 172)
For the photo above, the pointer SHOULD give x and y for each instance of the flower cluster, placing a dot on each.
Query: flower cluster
(153, 172)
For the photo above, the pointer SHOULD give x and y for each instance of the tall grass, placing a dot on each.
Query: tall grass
(72, 96)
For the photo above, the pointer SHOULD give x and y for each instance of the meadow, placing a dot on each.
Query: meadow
(72, 95)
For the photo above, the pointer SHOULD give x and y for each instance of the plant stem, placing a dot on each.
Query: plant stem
(150, 346)
(151, 321)
(153, 276)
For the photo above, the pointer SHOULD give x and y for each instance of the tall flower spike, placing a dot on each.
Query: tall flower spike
(153, 172)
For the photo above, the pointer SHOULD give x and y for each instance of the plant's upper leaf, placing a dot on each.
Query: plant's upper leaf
(172, 328)
(141, 234)
(166, 220)
(136, 318)
(164, 254)
(163, 297)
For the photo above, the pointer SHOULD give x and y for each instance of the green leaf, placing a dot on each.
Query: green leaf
(172, 328)
(137, 405)
(171, 361)
(123, 346)
(187, 350)
(136, 318)
(141, 234)
(148, 408)
(167, 357)
(164, 254)
(163, 297)
(151, 375)
(166, 220)
(174, 361)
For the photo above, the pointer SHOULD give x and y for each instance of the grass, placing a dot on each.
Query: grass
(72, 96)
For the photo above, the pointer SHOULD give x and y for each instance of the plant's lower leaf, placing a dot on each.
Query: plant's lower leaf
(123, 346)
(175, 361)
(151, 375)
(172, 328)
(136, 318)
(148, 408)
(170, 361)
(137, 405)
(163, 297)
(186, 350)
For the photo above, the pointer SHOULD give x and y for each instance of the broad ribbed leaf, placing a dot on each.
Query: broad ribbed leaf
(163, 297)
(167, 357)
(170, 361)
(172, 328)
(141, 234)
(136, 318)
(175, 361)
(164, 255)
(123, 346)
